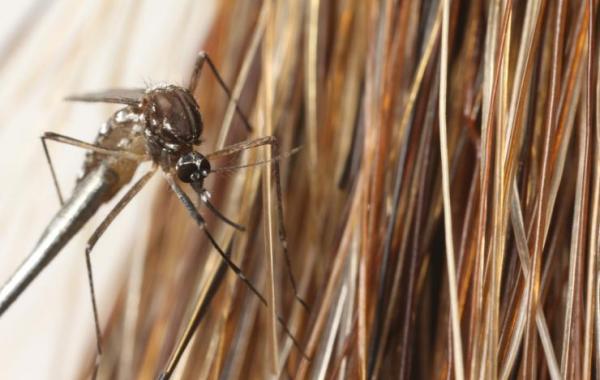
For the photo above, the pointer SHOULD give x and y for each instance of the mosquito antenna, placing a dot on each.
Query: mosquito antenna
(257, 163)
(187, 203)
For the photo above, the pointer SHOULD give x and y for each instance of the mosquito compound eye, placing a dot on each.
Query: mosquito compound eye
(192, 167)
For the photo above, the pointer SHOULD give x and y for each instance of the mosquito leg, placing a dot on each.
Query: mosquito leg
(93, 147)
(54, 179)
(203, 57)
(81, 144)
(132, 192)
(202, 224)
(200, 311)
(273, 143)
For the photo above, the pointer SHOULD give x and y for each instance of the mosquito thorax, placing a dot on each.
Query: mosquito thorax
(192, 167)
(173, 120)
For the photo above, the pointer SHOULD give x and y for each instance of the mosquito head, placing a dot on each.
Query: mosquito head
(173, 117)
(192, 168)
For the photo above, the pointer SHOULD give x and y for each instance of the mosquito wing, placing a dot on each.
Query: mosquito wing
(128, 96)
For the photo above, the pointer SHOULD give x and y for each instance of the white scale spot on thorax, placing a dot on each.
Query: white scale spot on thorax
(137, 128)
(124, 116)
(123, 143)
(167, 125)
(104, 129)
(121, 116)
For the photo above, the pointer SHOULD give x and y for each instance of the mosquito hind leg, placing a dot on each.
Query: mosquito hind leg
(80, 144)
(52, 136)
(131, 193)
(92, 147)
(274, 145)
(204, 57)
(52, 171)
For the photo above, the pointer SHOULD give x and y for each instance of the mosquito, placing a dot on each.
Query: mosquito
(161, 125)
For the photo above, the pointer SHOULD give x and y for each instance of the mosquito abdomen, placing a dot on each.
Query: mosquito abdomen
(88, 196)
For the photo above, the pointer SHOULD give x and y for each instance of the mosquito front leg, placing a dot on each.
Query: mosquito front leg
(186, 201)
(203, 57)
(189, 205)
(273, 143)
(131, 193)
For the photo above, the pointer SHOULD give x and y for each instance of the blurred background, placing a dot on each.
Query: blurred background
(441, 210)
